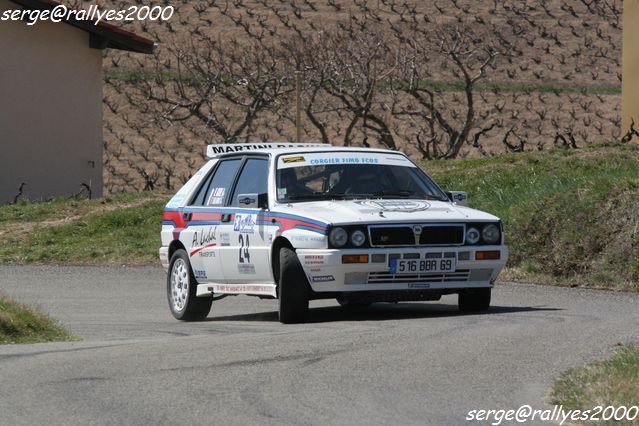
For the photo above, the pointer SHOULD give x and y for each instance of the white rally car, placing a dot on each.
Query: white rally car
(299, 222)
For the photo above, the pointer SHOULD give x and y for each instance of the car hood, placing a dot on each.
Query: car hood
(382, 211)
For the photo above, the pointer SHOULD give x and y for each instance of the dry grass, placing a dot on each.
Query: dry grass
(23, 324)
(613, 382)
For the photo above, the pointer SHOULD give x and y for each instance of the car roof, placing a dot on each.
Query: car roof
(275, 148)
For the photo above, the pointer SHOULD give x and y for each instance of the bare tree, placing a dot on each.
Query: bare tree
(222, 84)
(467, 57)
(344, 70)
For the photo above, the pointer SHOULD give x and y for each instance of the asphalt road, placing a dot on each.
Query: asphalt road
(412, 363)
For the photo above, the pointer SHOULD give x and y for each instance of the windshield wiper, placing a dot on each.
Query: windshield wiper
(405, 193)
(394, 193)
(327, 196)
(311, 196)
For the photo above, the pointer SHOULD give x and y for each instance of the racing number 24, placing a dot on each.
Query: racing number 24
(244, 250)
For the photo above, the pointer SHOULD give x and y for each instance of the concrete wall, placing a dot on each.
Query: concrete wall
(630, 64)
(50, 110)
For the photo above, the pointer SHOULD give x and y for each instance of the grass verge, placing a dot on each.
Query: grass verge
(114, 230)
(613, 382)
(23, 324)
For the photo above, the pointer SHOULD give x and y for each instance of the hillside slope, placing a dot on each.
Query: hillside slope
(570, 215)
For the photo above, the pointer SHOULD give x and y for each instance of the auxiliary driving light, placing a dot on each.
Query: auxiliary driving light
(358, 238)
(472, 236)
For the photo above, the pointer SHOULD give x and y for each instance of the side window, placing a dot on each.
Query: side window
(215, 190)
(253, 179)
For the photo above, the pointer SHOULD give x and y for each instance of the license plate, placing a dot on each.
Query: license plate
(422, 266)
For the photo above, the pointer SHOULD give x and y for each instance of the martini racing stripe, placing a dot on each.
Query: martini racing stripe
(284, 221)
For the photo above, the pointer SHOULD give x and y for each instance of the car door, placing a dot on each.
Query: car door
(246, 258)
(202, 235)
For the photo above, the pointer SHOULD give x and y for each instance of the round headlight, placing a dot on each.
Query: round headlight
(358, 238)
(338, 237)
(472, 235)
(490, 234)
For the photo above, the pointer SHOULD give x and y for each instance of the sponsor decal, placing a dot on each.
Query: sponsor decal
(401, 206)
(246, 268)
(418, 285)
(240, 288)
(338, 158)
(346, 160)
(314, 260)
(212, 150)
(204, 237)
(287, 160)
(307, 238)
(323, 278)
(225, 239)
(199, 273)
(216, 197)
(244, 223)
(207, 254)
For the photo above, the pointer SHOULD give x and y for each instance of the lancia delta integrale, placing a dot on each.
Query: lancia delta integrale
(298, 222)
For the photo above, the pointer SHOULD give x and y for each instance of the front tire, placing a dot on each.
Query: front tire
(181, 289)
(474, 300)
(293, 289)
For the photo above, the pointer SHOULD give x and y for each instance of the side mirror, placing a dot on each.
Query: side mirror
(458, 197)
(253, 201)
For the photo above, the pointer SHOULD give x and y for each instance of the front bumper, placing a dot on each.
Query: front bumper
(327, 273)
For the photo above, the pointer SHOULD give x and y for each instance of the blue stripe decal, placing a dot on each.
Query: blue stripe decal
(169, 222)
(294, 217)
(202, 223)
(257, 212)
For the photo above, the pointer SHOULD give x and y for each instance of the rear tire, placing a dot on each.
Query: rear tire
(181, 288)
(293, 289)
(474, 300)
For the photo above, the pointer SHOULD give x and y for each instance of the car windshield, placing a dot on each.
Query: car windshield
(352, 175)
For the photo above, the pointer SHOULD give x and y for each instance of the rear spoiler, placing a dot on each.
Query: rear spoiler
(213, 151)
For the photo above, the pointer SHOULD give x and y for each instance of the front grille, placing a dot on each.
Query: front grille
(442, 235)
(388, 278)
(392, 236)
(404, 235)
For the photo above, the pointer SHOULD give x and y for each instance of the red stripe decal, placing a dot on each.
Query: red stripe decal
(288, 224)
(206, 216)
(196, 251)
(174, 217)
